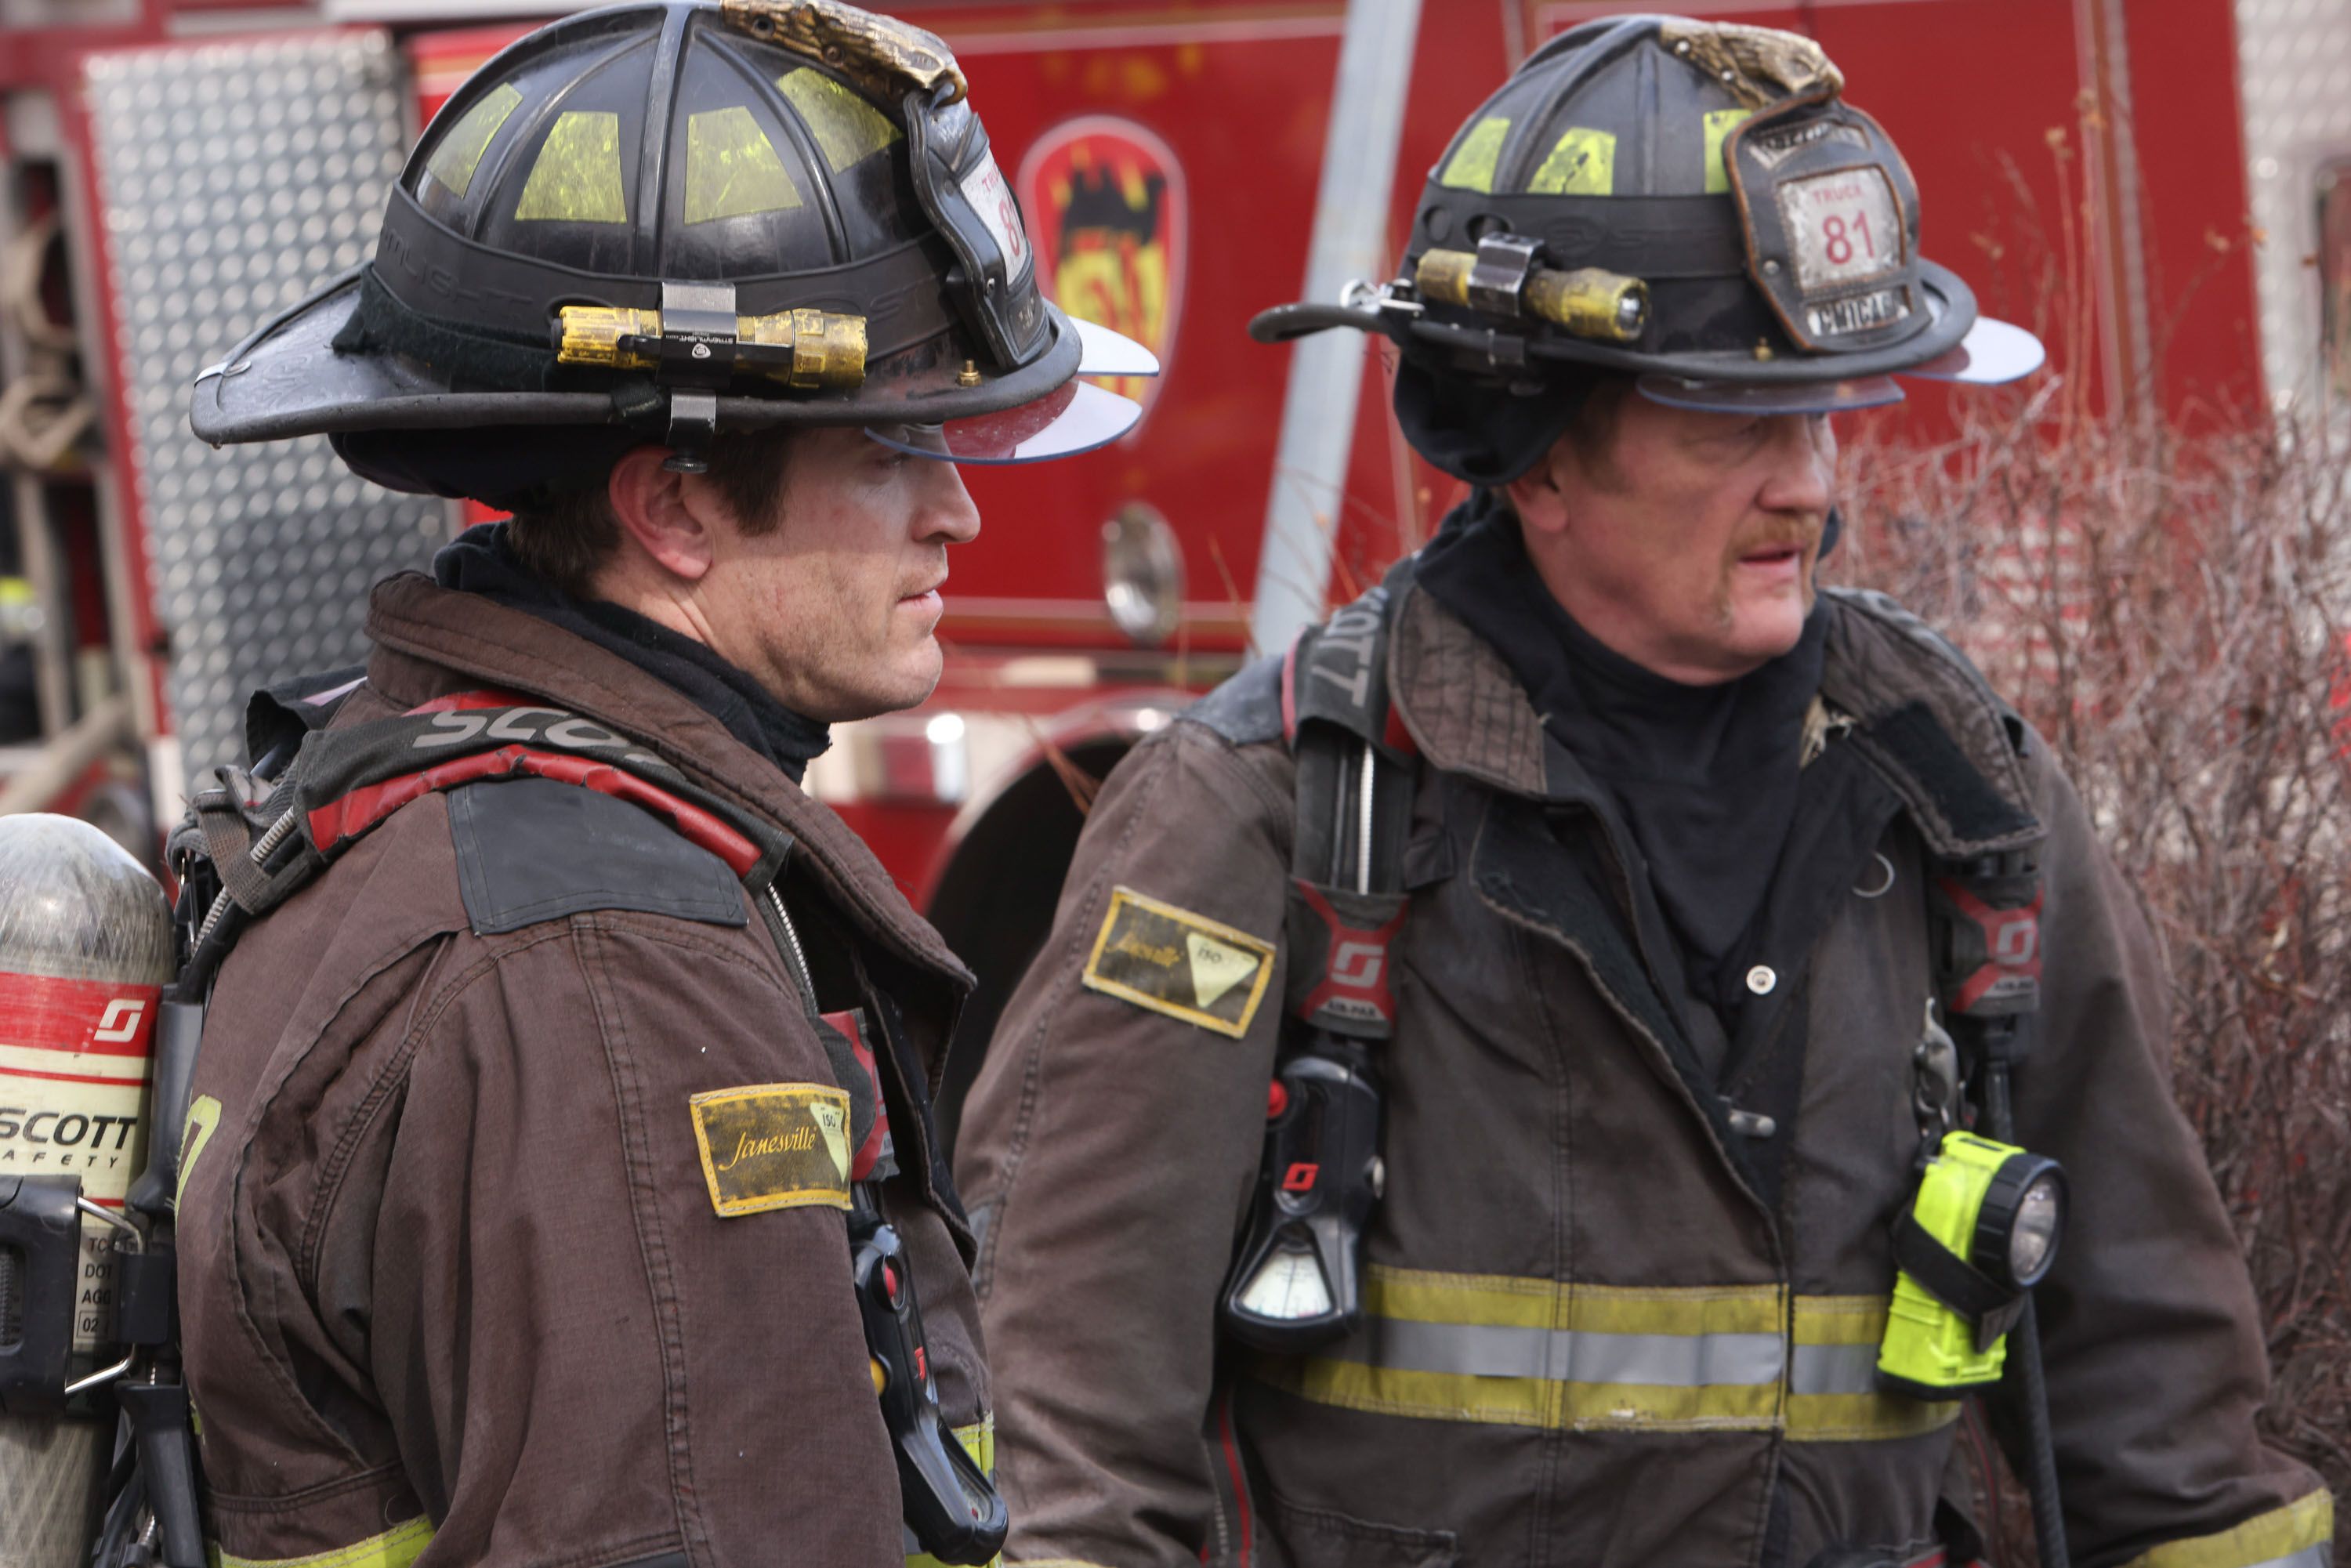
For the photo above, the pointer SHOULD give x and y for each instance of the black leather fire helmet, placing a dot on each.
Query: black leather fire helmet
(1689, 202)
(664, 220)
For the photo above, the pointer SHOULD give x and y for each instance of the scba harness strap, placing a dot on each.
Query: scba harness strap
(342, 784)
(265, 839)
(249, 844)
(1296, 1279)
(1355, 808)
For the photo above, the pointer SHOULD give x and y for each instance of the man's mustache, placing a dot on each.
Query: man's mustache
(1789, 535)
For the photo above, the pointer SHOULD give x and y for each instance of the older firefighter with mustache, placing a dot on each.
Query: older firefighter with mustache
(1598, 1053)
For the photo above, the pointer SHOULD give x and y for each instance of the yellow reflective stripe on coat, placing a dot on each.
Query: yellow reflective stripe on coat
(2299, 1535)
(978, 1440)
(398, 1547)
(1538, 1352)
(1833, 1395)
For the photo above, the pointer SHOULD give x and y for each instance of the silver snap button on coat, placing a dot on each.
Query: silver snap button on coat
(1760, 979)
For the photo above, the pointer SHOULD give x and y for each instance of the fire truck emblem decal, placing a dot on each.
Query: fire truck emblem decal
(1108, 218)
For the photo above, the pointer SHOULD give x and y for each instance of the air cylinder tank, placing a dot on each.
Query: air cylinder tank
(85, 950)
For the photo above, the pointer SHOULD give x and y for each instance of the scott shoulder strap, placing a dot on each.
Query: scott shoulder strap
(1295, 1282)
(1354, 811)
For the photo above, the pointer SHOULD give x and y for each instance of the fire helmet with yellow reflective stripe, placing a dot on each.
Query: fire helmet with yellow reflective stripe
(660, 222)
(1690, 203)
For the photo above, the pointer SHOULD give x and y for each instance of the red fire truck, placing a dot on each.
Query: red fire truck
(2156, 188)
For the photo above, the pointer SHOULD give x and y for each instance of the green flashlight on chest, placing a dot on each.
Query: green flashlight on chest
(1981, 1232)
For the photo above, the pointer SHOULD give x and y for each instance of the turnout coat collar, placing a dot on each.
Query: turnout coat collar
(431, 641)
(1921, 713)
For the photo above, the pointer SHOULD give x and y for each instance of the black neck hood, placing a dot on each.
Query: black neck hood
(482, 562)
(1705, 778)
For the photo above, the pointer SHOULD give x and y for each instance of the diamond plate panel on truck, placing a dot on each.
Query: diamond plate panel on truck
(234, 178)
(2294, 75)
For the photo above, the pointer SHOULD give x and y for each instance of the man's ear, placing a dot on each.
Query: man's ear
(671, 517)
(1535, 495)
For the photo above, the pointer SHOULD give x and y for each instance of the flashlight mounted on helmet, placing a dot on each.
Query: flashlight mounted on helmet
(1504, 278)
(799, 348)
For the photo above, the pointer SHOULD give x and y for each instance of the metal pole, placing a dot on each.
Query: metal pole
(1326, 371)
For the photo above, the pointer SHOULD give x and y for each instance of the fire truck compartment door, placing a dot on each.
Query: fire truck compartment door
(232, 178)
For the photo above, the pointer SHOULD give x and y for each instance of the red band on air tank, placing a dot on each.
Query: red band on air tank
(76, 1018)
(74, 1069)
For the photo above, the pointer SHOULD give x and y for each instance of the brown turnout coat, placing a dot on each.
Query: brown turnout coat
(453, 1280)
(1592, 1340)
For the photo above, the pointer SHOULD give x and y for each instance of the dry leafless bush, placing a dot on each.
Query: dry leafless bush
(2170, 613)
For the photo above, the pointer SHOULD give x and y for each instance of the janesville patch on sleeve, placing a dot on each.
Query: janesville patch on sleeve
(1175, 962)
(773, 1145)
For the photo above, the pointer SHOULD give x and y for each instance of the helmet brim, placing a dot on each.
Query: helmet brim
(1801, 397)
(288, 379)
(1076, 417)
(1109, 353)
(1994, 354)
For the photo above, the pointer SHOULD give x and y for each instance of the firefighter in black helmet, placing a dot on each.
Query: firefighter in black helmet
(559, 1181)
(1593, 1055)
(754, 217)
(1691, 207)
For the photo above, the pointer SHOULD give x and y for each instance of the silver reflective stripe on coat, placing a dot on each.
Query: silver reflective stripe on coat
(2308, 1557)
(1512, 1351)
(1568, 1355)
(1834, 1369)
